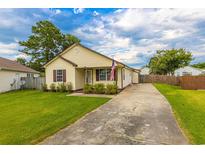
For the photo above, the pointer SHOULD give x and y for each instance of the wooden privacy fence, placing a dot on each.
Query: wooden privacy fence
(192, 82)
(159, 79)
(34, 83)
(186, 82)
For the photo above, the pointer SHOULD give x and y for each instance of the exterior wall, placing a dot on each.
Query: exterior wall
(36, 75)
(128, 77)
(144, 71)
(94, 78)
(188, 69)
(79, 78)
(119, 78)
(8, 77)
(86, 58)
(60, 64)
(135, 78)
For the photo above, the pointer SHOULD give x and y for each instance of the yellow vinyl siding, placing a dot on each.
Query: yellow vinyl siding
(60, 64)
(86, 58)
(79, 78)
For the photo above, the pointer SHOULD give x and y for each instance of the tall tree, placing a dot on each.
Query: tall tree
(199, 65)
(167, 61)
(45, 42)
(21, 61)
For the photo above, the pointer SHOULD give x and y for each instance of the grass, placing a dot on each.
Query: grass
(189, 108)
(27, 117)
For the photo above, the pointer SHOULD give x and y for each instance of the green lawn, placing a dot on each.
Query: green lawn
(27, 117)
(189, 108)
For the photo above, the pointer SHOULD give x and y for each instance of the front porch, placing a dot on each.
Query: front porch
(96, 75)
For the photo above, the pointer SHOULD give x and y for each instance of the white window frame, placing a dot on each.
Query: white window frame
(106, 74)
(59, 75)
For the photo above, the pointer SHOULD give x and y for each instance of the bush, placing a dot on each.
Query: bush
(58, 88)
(69, 87)
(53, 87)
(99, 88)
(87, 89)
(44, 87)
(63, 87)
(111, 89)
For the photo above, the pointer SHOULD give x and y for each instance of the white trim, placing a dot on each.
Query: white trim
(59, 75)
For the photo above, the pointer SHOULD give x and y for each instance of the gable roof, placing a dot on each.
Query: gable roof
(72, 63)
(6, 64)
(78, 44)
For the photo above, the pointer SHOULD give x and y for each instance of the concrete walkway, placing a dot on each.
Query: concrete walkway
(138, 115)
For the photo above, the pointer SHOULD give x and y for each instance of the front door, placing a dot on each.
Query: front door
(88, 76)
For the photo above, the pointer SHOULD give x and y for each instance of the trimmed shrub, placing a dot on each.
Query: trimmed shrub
(99, 88)
(69, 87)
(58, 88)
(44, 87)
(53, 87)
(111, 89)
(63, 87)
(87, 89)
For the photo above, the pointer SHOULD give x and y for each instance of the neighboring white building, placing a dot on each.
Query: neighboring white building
(144, 71)
(11, 74)
(188, 70)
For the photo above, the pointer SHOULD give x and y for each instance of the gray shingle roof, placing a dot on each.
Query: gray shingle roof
(6, 64)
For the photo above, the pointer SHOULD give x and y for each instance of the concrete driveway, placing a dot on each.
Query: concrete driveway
(138, 115)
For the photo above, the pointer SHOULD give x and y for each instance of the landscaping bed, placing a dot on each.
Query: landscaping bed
(29, 116)
(189, 108)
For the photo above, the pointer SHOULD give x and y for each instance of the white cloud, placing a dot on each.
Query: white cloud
(78, 10)
(21, 55)
(9, 19)
(95, 13)
(8, 49)
(130, 33)
(57, 11)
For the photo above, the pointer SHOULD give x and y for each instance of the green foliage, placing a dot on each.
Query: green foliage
(88, 88)
(111, 89)
(69, 87)
(167, 61)
(45, 42)
(53, 87)
(58, 88)
(199, 65)
(63, 87)
(22, 61)
(44, 87)
(99, 88)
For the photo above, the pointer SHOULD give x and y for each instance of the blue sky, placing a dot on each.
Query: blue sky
(128, 35)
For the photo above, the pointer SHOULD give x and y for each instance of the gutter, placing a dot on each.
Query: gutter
(18, 71)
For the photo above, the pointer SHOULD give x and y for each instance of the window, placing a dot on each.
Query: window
(29, 75)
(59, 75)
(103, 74)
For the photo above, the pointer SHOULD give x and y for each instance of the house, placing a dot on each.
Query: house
(144, 71)
(188, 70)
(11, 73)
(79, 65)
